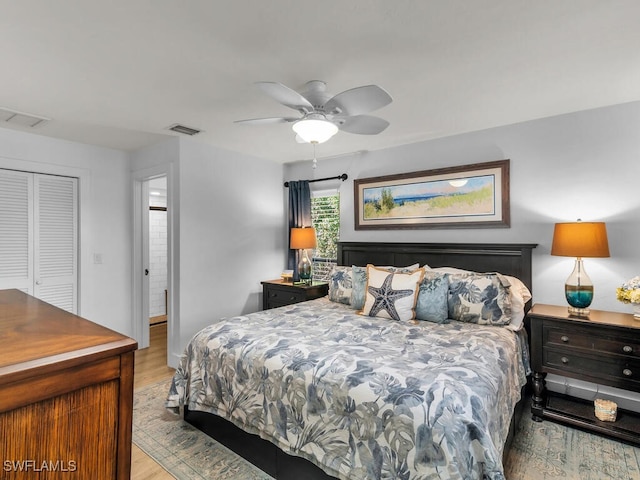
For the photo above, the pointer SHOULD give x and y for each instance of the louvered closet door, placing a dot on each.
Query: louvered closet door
(38, 236)
(55, 247)
(16, 230)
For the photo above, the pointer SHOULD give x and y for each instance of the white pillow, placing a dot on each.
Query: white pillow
(448, 270)
(391, 295)
(520, 295)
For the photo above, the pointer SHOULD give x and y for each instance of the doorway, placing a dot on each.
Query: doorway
(158, 254)
(144, 182)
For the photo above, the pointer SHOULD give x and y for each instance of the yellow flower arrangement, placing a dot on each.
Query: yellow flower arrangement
(629, 292)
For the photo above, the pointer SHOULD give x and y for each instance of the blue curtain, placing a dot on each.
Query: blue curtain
(299, 216)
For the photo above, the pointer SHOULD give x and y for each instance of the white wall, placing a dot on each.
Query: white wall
(581, 165)
(105, 216)
(232, 233)
(227, 232)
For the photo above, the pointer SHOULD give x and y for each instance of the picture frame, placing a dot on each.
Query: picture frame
(464, 196)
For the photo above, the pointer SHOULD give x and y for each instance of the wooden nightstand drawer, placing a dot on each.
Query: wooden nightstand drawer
(284, 296)
(610, 369)
(276, 293)
(590, 339)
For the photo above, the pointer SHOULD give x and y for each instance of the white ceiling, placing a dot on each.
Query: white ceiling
(118, 72)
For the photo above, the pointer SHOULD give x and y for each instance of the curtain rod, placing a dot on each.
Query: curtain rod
(342, 177)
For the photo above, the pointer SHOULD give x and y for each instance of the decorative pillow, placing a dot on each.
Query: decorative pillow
(482, 298)
(448, 270)
(340, 284)
(359, 275)
(432, 304)
(520, 295)
(358, 292)
(391, 295)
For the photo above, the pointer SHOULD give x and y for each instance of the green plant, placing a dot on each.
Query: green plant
(387, 199)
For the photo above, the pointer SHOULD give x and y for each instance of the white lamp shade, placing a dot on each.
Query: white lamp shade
(315, 130)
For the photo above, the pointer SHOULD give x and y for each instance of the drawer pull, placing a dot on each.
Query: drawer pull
(564, 360)
(626, 372)
(627, 349)
(564, 338)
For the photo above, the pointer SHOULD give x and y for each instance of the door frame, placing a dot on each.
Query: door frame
(140, 259)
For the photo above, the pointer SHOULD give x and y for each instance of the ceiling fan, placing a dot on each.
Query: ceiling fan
(323, 114)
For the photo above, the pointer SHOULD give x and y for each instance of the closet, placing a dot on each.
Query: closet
(39, 236)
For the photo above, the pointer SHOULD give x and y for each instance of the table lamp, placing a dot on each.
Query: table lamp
(302, 239)
(579, 239)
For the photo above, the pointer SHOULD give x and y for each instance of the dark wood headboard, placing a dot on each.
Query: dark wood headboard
(507, 258)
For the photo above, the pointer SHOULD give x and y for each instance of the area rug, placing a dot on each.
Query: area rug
(548, 451)
(540, 451)
(183, 451)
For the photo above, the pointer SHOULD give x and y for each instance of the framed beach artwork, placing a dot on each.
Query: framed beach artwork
(465, 196)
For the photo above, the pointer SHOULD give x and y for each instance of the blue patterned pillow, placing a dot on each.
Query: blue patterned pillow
(340, 284)
(359, 276)
(432, 304)
(482, 298)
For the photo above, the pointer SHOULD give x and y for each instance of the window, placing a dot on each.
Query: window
(325, 218)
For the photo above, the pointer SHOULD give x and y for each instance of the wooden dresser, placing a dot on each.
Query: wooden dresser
(603, 348)
(66, 394)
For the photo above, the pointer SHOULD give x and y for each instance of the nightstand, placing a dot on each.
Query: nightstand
(276, 293)
(603, 348)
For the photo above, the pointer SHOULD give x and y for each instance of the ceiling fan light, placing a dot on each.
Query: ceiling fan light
(315, 130)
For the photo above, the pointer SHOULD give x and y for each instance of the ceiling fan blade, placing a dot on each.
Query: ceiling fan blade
(286, 96)
(358, 100)
(363, 124)
(267, 121)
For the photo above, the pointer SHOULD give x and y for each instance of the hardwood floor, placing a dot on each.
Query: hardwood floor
(151, 363)
(158, 319)
(150, 367)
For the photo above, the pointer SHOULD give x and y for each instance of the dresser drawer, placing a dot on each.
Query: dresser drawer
(284, 296)
(611, 368)
(278, 294)
(593, 339)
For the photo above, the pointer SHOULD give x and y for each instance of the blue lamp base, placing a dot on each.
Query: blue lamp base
(304, 269)
(578, 291)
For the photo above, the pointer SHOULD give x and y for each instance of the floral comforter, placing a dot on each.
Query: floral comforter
(361, 397)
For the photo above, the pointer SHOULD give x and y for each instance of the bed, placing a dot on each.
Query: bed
(316, 391)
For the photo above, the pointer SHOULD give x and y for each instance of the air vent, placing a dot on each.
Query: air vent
(20, 118)
(184, 129)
